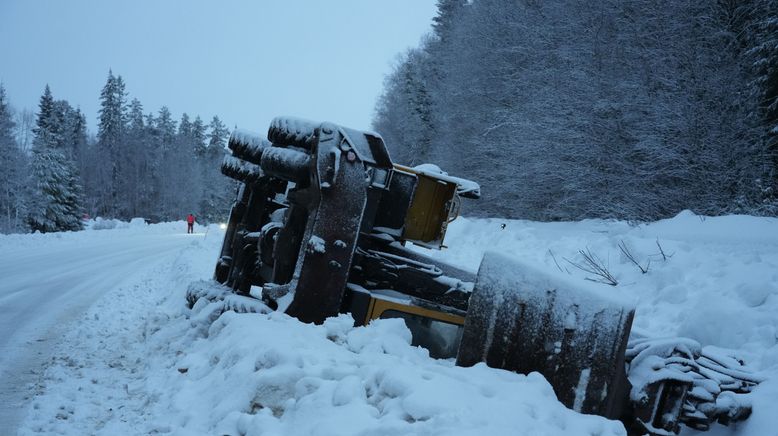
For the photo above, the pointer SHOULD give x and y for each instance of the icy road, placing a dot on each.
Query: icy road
(45, 286)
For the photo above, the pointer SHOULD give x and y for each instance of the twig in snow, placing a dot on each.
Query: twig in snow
(662, 252)
(594, 265)
(631, 257)
(557, 263)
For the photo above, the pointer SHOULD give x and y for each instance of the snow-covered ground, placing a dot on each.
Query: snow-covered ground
(139, 362)
(46, 281)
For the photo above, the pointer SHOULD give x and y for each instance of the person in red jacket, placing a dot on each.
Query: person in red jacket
(190, 220)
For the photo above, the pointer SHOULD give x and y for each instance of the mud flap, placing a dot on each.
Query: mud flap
(523, 319)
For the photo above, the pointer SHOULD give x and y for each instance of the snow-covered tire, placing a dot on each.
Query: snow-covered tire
(240, 170)
(247, 145)
(208, 289)
(522, 319)
(290, 131)
(243, 304)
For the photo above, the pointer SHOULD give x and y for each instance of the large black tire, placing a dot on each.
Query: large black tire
(522, 319)
(241, 170)
(290, 131)
(247, 145)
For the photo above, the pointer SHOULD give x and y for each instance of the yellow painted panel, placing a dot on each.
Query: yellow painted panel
(379, 306)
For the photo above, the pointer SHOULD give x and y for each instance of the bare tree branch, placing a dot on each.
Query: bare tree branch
(631, 257)
(594, 265)
(557, 263)
(662, 252)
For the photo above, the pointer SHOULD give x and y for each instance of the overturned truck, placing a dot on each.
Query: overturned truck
(321, 226)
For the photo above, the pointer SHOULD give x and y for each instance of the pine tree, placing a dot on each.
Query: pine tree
(134, 181)
(111, 121)
(218, 189)
(79, 134)
(198, 136)
(110, 134)
(56, 198)
(55, 203)
(185, 127)
(166, 127)
(135, 117)
(218, 135)
(44, 129)
(444, 22)
(153, 184)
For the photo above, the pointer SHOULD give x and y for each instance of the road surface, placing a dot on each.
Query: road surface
(42, 289)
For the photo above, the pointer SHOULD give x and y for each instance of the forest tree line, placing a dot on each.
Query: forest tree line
(53, 174)
(571, 109)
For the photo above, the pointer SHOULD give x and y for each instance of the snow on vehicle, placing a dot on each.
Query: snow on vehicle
(320, 227)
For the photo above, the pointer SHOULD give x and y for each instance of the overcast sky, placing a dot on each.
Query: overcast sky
(246, 61)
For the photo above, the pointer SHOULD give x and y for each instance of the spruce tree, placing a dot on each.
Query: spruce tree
(218, 190)
(198, 136)
(135, 117)
(56, 197)
(218, 136)
(185, 127)
(55, 202)
(110, 134)
(45, 128)
(166, 127)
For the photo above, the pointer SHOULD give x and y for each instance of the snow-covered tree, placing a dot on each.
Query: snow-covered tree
(56, 198)
(137, 165)
(218, 190)
(219, 133)
(13, 163)
(55, 203)
(185, 127)
(404, 114)
(136, 182)
(199, 136)
(761, 30)
(112, 119)
(572, 109)
(166, 127)
(110, 136)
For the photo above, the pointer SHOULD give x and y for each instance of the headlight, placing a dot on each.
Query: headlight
(223, 226)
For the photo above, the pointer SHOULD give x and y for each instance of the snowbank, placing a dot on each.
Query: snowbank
(717, 283)
(140, 362)
(287, 378)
